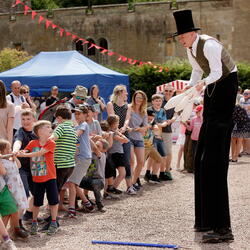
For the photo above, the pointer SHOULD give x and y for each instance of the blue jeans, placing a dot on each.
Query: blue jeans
(95, 185)
(126, 151)
(137, 143)
(26, 177)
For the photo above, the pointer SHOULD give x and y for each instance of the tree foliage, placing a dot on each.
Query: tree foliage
(44, 4)
(10, 58)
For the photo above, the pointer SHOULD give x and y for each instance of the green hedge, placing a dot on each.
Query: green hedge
(146, 77)
(10, 58)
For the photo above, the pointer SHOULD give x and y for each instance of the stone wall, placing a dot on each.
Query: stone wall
(140, 34)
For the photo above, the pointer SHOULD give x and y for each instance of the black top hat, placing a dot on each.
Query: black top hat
(184, 22)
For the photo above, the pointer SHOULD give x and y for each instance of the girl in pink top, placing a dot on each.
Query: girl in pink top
(195, 126)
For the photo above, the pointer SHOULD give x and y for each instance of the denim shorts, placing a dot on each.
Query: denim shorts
(137, 143)
(159, 145)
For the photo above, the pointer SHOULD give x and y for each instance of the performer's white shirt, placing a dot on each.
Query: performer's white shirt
(212, 51)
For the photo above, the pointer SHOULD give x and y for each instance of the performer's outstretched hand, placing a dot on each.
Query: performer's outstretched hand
(199, 86)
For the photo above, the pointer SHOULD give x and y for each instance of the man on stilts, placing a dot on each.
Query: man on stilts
(208, 56)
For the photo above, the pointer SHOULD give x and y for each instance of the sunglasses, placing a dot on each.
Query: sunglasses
(26, 92)
(80, 98)
(170, 91)
(246, 94)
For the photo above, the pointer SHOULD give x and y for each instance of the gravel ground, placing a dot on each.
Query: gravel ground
(161, 214)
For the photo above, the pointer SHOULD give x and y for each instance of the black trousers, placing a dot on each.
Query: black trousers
(212, 155)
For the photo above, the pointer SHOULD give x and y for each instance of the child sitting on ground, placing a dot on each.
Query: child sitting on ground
(43, 172)
(95, 178)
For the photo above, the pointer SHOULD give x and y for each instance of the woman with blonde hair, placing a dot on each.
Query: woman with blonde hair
(137, 127)
(118, 106)
(7, 114)
(25, 92)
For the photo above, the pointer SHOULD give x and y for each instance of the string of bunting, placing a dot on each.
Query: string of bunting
(65, 33)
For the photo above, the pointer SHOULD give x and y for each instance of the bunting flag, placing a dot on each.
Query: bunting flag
(17, 2)
(61, 31)
(67, 33)
(26, 9)
(73, 37)
(41, 18)
(33, 14)
(54, 26)
(47, 23)
(105, 51)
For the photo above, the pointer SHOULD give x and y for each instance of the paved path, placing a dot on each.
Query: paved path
(161, 213)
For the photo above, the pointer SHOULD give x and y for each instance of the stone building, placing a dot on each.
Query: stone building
(141, 32)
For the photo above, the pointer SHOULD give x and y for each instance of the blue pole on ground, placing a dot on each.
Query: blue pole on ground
(135, 244)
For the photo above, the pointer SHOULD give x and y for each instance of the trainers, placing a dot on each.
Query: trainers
(136, 187)
(27, 216)
(100, 207)
(139, 182)
(20, 233)
(154, 179)
(72, 214)
(89, 209)
(166, 176)
(131, 191)
(8, 245)
(108, 196)
(46, 226)
(22, 226)
(147, 177)
(52, 228)
(92, 202)
(114, 191)
(34, 228)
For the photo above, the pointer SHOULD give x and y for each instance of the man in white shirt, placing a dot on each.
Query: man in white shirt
(19, 103)
(208, 56)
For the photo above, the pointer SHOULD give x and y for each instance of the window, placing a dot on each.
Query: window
(103, 58)
(79, 46)
(90, 51)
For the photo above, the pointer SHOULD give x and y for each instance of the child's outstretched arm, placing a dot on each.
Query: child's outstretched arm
(18, 163)
(2, 168)
(33, 154)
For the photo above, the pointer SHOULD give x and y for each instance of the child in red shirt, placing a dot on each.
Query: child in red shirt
(43, 172)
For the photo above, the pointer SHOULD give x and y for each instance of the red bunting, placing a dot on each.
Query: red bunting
(33, 14)
(17, 2)
(84, 41)
(61, 32)
(91, 46)
(26, 9)
(97, 47)
(41, 18)
(111, 53)
(73, 37)
(54, 26)
(104, 51)
(134, 62)
(47, 24)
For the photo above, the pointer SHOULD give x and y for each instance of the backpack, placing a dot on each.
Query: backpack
(12, 98)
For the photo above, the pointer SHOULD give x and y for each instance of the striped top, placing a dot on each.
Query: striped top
(65, 145)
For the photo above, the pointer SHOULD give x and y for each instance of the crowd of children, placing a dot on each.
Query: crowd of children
(80, 155)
